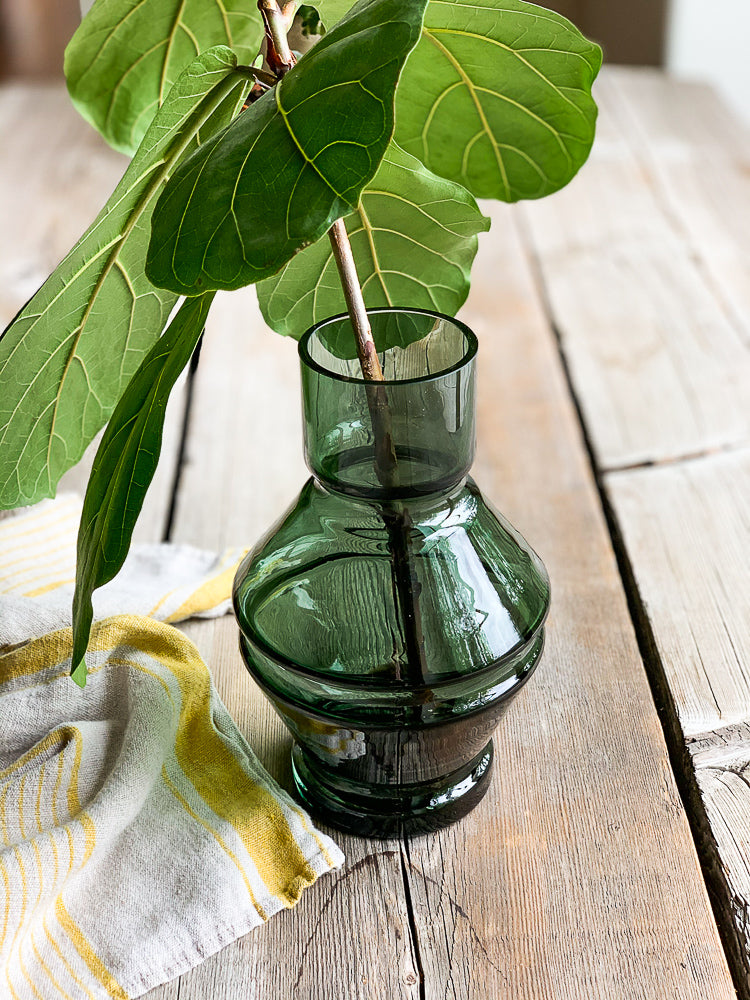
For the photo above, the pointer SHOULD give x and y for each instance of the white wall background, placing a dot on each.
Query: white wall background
(710, 40)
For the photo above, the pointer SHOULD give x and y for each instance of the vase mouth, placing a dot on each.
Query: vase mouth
(315, 355)
(418, 421)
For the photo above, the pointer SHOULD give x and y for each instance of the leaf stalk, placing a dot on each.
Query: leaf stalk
(395, 515)
(277, 21)
(355, 303)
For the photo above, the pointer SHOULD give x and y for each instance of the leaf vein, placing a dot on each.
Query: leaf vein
(477, 104)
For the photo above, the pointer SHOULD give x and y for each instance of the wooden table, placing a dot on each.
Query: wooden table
(611, 857)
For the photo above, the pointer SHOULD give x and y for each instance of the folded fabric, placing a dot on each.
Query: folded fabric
(139, 832)
(38, 568)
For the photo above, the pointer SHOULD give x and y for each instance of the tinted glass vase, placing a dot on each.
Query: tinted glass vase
(391, 614)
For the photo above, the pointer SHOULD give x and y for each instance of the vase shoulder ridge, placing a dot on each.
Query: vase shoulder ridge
(324, 575)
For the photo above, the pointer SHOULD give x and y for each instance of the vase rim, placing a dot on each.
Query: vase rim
(471, 346)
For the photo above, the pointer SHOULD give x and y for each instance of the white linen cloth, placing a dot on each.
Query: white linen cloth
(138, 832)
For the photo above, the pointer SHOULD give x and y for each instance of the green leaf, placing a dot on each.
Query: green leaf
(290, 165)
(68, 355)
(414, 237)
(126, 54)
(124, 467)
(389, 330)
(497, 96)
(332, 11)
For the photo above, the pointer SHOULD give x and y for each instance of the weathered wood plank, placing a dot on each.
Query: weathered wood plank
(558, 844)
(661, 370)
(55, 175)
(685, 525)
(686, 529)
(576, 876)
(347, 939)
(349, 936)
(698, 156)
(722, 768)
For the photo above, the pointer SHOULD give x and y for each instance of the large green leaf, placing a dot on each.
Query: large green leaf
(67, 356)
(497, 96)
(126, 55)
(414, 237)
(124, 467)
(291, 164)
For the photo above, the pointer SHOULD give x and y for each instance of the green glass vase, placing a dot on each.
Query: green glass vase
(391, 614)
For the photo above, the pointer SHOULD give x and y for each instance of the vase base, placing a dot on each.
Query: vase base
(385, 811)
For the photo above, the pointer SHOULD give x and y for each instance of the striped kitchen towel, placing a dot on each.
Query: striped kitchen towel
(38, 568)
(138, 832)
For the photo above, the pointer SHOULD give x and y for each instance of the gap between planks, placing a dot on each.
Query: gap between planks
(282, 935)
(686, 528)
(685, 532)
(242, 466)
(548, 846)
(683, 759)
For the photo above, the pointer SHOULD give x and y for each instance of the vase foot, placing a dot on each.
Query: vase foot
(385, 811)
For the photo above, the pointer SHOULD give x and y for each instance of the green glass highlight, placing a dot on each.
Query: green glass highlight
(391, 614)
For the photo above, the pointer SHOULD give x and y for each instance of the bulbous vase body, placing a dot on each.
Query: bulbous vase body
(391, 614)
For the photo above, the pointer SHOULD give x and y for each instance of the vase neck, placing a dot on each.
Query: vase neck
(411, 435)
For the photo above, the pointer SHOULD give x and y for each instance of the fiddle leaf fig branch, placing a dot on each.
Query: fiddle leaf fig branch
(292, 164)
(401, 114)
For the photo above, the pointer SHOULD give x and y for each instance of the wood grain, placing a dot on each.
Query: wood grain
(722, 768)
(660, 368)
(681, 239)
(698, 157)
(560, 883)
(576, 877)
(686, 529)
(349, 936)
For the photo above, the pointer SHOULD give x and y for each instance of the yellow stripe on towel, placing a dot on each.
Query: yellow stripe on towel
(68, 967)
(218, 776)
(211, 593)
(220, 840)
(202, 753)
(87, 953)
